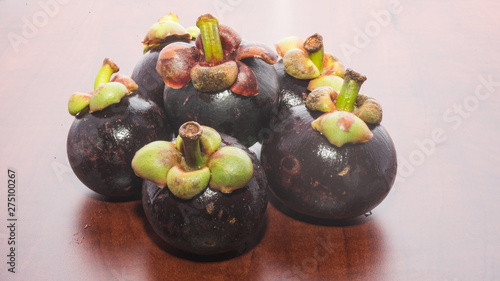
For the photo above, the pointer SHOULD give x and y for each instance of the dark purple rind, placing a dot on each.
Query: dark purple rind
(304, 170)
(205, 225)
(227, 112)
(101, 145)
(150, 83)
(292, 90)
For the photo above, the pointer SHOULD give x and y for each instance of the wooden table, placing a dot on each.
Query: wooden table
(434, 66)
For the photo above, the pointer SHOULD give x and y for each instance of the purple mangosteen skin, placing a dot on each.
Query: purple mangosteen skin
(229, 113)
(101, 145)
(150, 83)
(311, 176)
(212, 222)
(291, 89)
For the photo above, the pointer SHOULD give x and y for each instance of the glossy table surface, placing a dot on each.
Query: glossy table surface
(433, 65)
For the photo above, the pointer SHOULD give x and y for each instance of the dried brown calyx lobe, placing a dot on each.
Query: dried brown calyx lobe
(214, 78)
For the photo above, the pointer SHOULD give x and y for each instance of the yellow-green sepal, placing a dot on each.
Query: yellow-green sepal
(186, 184)
(163, 31)
(194, 31)
(287, 44)
(78, 102)
(154, 160)
(333, 81)
(298, 64)
(341, 127)
(231, 169)
(106, 95)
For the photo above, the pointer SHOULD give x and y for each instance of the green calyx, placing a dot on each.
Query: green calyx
(78, 102)
(215, 63)
(186, 184)
(106, 91)
(231, 169)
(307, 59)
(106, 95)
(347, 112)
(154, 160)
(303, 60)
(341, 127)
(332, 93)
(333, 81)
(298, 64)
(166, 30)
(194, 31)
(194, 162)
(169, 17)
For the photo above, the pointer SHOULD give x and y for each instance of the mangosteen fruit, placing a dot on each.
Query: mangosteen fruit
(303, 65)
(111, 124)
(203, 194)
(330, 158)
(159, 35)
(222, 82)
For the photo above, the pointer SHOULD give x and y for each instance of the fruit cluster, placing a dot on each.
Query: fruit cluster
(178, 131)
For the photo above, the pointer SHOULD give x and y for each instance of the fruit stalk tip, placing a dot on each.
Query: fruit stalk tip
(190, 133)
(315, 49)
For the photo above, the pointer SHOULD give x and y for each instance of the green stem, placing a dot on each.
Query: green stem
(350, 89)
(209, 32)
(104, 75)
(315, 49)
(190, 133)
